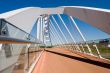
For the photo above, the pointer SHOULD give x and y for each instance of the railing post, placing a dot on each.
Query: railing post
(82, 48)
(26, 57)
(97, 51)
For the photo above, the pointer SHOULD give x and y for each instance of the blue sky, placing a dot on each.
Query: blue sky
(89, 31)
(7, 5)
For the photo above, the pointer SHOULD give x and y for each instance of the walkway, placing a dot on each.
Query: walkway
(57, 61)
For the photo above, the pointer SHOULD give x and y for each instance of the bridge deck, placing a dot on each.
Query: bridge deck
(57, 61)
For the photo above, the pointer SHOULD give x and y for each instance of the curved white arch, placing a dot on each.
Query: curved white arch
(100, 18)
(24, 18)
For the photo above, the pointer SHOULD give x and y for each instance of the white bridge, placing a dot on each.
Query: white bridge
(15, 38)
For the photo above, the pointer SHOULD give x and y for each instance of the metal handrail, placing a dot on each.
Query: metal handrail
(10, 40)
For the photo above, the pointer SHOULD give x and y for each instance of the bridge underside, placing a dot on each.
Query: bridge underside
(60, 60)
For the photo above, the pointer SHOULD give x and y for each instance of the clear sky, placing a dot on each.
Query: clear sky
(7, 5)
(89, 31)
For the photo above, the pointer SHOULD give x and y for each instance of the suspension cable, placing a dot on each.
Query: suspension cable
(53, 27)
(60, 29)
(69, 32)
(81, 34)
(56, 31)
(58, 40)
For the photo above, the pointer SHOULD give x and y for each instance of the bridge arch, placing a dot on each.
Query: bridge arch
(24, 18)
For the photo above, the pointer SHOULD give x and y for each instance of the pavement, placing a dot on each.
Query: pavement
(58, 60)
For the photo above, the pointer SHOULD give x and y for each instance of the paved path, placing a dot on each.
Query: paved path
(54, 63)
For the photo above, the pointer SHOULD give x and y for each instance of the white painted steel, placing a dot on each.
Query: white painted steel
(69, 32)
(81, 35)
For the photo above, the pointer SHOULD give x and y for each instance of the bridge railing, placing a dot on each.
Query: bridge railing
(9, 30)
(100, 48)
(18, 49)
(97, 48)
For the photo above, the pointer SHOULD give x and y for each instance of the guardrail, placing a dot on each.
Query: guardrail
(100, 48)
(18, 49)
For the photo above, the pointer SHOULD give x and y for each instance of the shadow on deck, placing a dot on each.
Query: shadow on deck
(98, 63)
